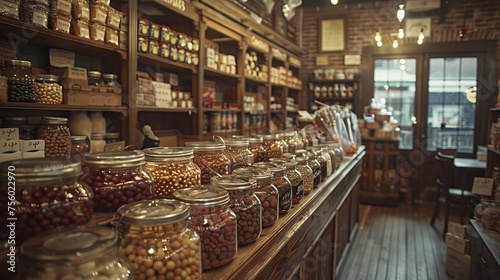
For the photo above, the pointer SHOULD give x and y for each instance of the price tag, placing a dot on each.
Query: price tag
(116, 146)
(482, 186)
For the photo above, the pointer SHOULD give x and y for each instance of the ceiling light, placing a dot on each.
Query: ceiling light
(379, 43)
(395, 44)
(378, 38)
(421, 34)
(401, 33)
(401, 12)
(334, 2)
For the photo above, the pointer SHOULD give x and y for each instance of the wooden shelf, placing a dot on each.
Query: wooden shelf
(61, 107)
(53, 38)
(166, 110)
(220, 110)
(344, 81)
(167, 64)
(209, 72)
(334, 98)
(255, 80)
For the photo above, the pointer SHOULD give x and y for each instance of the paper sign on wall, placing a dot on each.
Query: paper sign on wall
(482, 186)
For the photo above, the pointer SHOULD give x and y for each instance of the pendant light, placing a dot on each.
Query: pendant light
(401, 12)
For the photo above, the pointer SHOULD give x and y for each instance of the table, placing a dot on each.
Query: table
(466, 169)
(469, 164)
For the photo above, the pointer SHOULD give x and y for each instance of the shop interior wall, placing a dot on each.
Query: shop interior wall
(362, 20)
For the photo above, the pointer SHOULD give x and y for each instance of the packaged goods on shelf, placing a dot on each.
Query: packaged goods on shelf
(163, 94)
(10, 9)
(113, 19)
(81, 10)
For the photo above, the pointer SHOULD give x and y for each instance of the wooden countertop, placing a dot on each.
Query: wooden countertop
(490, 238)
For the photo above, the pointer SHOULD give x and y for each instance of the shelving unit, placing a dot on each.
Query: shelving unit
(330, 92)
(492, 155)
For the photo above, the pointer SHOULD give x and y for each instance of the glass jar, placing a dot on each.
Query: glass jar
(26, 132)
(110, 80)
(47, 194)
(272, 147)
(74, 253)
(245, 204)
(21, 80)
(157, 241)
(339, 152)
(210, 158)
(321, 159)
(35, 12)
(307, 174)
(214, 221)
(79, 148)
(331, 150)
(172, 168)
(55, 132)
(112, 137)
(266, 192)
(94, 78)
(280, 137)
(47, 89)
(488, 213)
(316, 168)
(97, 143)
(282, 184)
(238, 151)
(295, 178)
(326, 154)
(303, 137)
(117, 178)
(293, 141)
(257, 149)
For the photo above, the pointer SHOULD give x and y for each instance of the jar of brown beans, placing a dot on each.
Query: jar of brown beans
(45, 194)
(266, 192)
(172, 168)
(295, 177)
(330, 147)
(280, 137)
(157, 240)
(118, 178)
(272, 146)
(328, 157)
(307, 174)
(316, 168)
(210, 158)
(238, 151)
(321, 159)
(245, 204)
(47, 89)
(257, 149)
(283, 184)
(214, 221)
(79, 147)
(55, 132)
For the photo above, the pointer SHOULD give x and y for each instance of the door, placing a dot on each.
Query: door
(435, 98)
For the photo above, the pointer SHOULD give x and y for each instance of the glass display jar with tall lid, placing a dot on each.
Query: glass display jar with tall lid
(210, 158)
(313, 164)
(266, 192)
(157, 240)
(245, 204)
(172, 168)
(321, 159)
(238, 151)
(73, 253)
(118, 178)
(257, 149)
(282, 183)
(329, 163)
(272, 147)
(214, 221)
(330, 147)
(79, 148)
(339, 152)
(307, 174)
(21, 80)
(47, 195)
(280, 137)
(55, 132)
(293, 174)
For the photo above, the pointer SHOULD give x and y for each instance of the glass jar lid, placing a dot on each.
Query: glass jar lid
(231, 182)
(237, 143)
(207, 196)
(168, 153)
(264, 165)
(153, 212)
(301, 160)
(115, 159)
(109, 76)
(205, 146)
(94, 74)
(40, 169)
(54, 120)
(78, 138)
(75, 244)
(17, 62)
(112, 135)
(253, 172)
(46, 78)
(290, 164)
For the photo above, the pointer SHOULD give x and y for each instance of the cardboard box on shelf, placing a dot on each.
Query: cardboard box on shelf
(32, 145)
(77, 97)
(458, 230)
(10, 156)
(11, 133)
(33, 154)
(112, 99)
(457, 265)
(74, 73)
(456, 243)
(162, 92)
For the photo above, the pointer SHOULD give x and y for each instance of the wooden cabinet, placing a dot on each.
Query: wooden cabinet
(309, 241)
(342, 92)
(485, 253)
(379, 183)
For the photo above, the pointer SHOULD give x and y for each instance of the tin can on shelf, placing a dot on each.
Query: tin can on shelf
(157, 241)
(214, 221)
(47, 195)
(117, 178)
(172, 169)
(73, 253)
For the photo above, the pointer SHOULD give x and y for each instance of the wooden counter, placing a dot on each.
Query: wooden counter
(307, 242)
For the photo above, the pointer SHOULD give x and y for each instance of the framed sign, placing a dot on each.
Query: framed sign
(331, 35)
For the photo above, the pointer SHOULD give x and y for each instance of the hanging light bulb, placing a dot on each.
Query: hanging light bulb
(421, 34)
(401, 12)
(379, 43)
(395, 44)
(401, 33)
(378, 38)
(334, 2)
(420, 41)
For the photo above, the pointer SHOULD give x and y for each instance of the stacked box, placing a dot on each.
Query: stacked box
(457, 253)
(163, 94)
(144, 92)
(255, 68)
(9, 144)
(34, 148)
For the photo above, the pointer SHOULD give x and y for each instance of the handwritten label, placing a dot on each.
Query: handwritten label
(61, 58)
(482, 186)
(258, 43)
(115, 146)
(179, 4)
(9, 133)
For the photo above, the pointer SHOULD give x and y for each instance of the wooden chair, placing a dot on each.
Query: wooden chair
(448, 194)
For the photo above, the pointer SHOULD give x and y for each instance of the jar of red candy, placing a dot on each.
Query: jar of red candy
(118, 178)
(43, 194)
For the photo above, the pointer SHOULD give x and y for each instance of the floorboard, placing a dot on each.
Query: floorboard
(395, 243)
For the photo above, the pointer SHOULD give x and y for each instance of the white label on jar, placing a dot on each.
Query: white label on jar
(99, 35)
(64, 6)
(40, 18)
(100, 16)
(84, 32)
(63, 25)
(85, 13)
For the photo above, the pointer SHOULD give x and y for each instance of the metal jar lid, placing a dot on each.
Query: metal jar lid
(115, 159)
(269, 137)
(153, 212)
(46, 78)
(289, 156)
(109, 76)
(254, 172)
(94, 74)
(168, 153)
(54, 120)
(278, 161)
(205, 146)
(37, 170)
(206, 196)
(16, 62)
(264, 165)
(78, 138)
(301, 160)
(300, 152)
(75, 244)
(112, 135)
(237, 143)
(97, 136)
(231, 182)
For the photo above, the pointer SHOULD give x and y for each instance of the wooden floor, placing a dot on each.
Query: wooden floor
(396, 243)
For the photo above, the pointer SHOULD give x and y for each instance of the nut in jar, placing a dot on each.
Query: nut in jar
(47, 89)
(57, 137)
(210, 158)
(172, 169)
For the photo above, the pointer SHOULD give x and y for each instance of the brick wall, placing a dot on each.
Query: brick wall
(362, 20)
